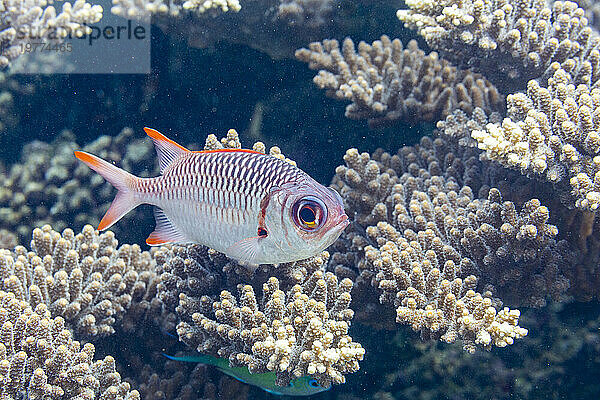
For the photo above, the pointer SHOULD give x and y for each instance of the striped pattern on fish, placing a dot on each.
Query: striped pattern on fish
(251, 206)
(218, 190)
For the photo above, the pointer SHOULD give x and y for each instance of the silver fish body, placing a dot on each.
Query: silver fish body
(251, 206)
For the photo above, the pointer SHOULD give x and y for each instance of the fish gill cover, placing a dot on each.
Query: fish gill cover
(477, 224)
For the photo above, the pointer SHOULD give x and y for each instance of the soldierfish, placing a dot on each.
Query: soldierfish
(251, 206)
(303, 386)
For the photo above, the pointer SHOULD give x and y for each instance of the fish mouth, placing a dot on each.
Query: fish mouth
(342, 222)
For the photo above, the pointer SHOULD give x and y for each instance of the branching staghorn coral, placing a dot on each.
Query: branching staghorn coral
(83, 278)
(512, 250)
(419, 204)
(387, 82)
(514, 186)
(297, 332)
(40, 360)
(173, 383)
(510, 42)
(551, 133)
(276, 27)
(457, 127)
(431, 298)
(145, 8)
(232, 141)
(307, 334)
(23, 21)
(592, 12)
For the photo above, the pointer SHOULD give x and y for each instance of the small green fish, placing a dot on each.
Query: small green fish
(303, 386)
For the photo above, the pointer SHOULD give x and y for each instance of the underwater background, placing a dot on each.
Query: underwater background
(473, 257)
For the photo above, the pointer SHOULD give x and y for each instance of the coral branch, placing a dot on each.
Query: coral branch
(510, 42)
(386, 81)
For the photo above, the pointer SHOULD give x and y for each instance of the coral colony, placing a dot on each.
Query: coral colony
(449, 234)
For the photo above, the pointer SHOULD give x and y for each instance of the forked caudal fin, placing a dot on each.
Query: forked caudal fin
(122, 180)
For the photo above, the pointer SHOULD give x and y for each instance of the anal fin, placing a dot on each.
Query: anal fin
(165, 231)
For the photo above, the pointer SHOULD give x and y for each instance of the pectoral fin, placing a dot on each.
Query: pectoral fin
(245, 250)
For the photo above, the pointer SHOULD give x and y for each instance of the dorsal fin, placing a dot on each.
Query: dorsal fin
(228, 151)
(166, 149)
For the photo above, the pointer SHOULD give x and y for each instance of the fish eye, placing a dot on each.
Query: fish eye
(309, 213)
(313, 383)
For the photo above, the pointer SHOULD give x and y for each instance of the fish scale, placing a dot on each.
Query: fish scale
(240, 202)
(226, 190)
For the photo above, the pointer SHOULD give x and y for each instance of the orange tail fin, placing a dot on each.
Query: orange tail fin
(124, 200)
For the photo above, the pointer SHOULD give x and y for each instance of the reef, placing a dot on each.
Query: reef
(509, 42)
(547, 133)
(551, 133)
(49, 185)
(24, 20)
(276, 27)
(427, 243)
(84, 286)
(386, 81)
(40, 312)
(85, 278)
(435, 197)
(40, 359)
(296, 329)
(476, 237)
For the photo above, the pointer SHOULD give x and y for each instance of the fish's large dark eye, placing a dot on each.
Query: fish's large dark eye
(309, 213)
(313, 383)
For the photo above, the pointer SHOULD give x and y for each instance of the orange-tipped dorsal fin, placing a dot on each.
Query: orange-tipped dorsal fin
(228, 151)
(166, 149)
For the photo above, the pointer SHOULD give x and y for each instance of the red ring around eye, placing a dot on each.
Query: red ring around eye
(308, 216)
(308, 213)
